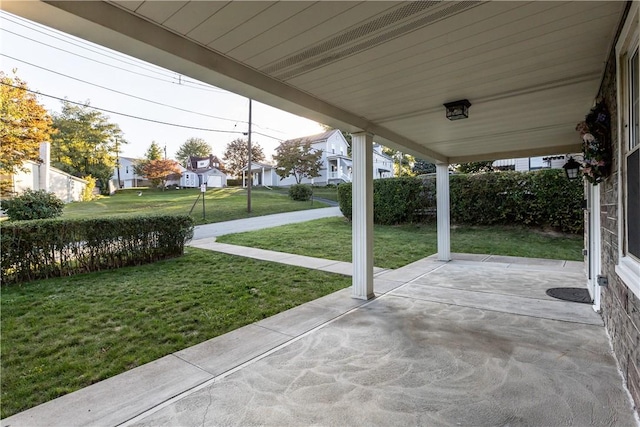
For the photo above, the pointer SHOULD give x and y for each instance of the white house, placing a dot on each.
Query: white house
(525, 164)
(128, 177)
(41, 176)
(336, 163)
(204, 170)
(382, 164)
(263, 174)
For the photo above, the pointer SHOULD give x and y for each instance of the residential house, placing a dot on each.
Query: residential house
(336, 163)
(382, 164)
(204, 170)
(521, 75)
(263, 174)
(526, 164)
(127, 174)
(42, 176)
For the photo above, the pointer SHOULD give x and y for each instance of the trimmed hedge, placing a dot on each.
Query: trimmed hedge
(41, 249)
(543, 198)
(395, 200)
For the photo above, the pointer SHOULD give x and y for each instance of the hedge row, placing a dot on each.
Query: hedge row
(537, 199)
(45, 248)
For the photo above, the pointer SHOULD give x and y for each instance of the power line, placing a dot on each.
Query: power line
(136, 117)
(121, 114)
(76, 42)
(163, 72)
(120, 92)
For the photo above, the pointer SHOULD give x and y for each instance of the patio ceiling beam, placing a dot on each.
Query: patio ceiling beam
(118, 29)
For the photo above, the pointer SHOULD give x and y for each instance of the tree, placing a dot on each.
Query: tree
(154, 152)
(192, 147)
(421, 167)
(236, 155)
(159, 171)
(475, 167)
(24, 124)
(297, 158)
(402, 163)
(85, 143)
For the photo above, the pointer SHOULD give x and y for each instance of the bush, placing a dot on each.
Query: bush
(300, 192)
(395, 200)
(45, 248)
(234, 182)
(33, 205)
(537, 199)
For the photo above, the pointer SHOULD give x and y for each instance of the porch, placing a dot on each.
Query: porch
(475, 341)
(340, 168)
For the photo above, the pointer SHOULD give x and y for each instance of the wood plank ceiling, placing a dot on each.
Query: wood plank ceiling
(530, 69)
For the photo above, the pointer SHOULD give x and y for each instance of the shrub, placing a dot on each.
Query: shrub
(538, 199)
(395, 200)
(87, 193)
(33, 205)
(300, 192)
(234, 182)
(45, 248)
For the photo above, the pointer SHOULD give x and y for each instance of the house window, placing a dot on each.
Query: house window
(126, 169)
(632, 162)
(628, 77)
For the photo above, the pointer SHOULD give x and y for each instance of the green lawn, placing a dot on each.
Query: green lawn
(60, 335)
(220, 204)
(395, 246)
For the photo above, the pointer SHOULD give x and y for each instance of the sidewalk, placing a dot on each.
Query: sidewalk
(260, 222)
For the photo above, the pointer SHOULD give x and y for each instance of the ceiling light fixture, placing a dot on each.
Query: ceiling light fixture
(458, 109)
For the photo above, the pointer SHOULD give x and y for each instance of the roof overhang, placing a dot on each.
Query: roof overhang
(530, 69)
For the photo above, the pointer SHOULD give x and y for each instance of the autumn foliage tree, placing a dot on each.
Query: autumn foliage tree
(160, 170)
(24, 124)
(236, 155)
(298, 158)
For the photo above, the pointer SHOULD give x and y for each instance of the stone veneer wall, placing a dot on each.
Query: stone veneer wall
(620, 307)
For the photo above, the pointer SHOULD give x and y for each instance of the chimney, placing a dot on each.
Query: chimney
(44, 168)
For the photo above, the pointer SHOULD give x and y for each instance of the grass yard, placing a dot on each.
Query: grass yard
(396, 246)
(60, 335)
(220, 204)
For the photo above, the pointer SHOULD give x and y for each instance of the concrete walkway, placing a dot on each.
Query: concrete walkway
(257, 223)
(475, 341)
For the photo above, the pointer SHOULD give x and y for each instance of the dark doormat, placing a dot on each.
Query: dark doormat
(571, 294)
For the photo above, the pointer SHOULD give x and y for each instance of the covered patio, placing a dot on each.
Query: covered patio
(475, 341)
(444, 341)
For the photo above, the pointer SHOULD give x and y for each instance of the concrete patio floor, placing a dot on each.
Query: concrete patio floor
(475, 341)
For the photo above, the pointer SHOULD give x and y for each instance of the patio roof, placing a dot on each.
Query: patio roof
(530, 69)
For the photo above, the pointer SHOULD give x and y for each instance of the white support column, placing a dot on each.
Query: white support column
(442, 195)
(362, 210)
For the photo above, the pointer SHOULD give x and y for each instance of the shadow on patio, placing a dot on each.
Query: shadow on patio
(475, 341)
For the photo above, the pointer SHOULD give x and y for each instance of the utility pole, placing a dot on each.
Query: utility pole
(249, 174)
(165, 151)
(118, 161)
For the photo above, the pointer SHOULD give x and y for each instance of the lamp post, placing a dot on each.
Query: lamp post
(571, 169)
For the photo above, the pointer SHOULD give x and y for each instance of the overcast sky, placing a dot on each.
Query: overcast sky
(63, 66)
